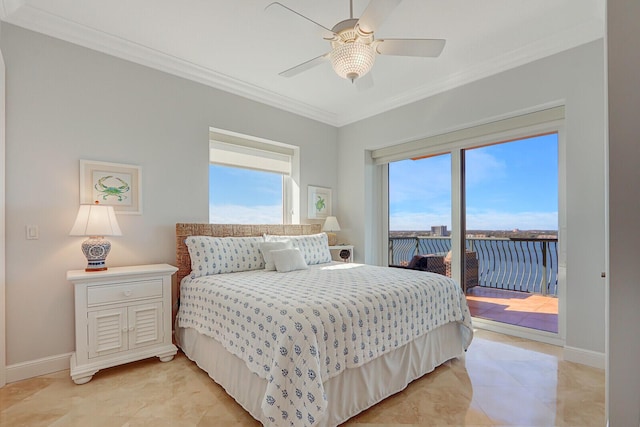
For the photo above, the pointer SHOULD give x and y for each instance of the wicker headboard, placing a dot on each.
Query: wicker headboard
(184, 230)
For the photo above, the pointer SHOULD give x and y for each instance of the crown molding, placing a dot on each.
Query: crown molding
(46, 23)
(569, 39)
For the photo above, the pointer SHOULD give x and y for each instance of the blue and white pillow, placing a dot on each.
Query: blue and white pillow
(217, 255)
(314, 247)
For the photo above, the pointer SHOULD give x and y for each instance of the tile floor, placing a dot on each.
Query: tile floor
(501, 381)
(515, 308)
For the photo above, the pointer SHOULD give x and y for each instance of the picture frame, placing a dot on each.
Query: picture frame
(319, 202)
(113, 184)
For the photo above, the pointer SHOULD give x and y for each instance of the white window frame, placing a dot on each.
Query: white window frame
(249, 152)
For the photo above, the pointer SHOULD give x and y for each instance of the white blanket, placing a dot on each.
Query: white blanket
(301, 328)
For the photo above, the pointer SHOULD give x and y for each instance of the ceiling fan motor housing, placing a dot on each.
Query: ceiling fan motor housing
(352, 55)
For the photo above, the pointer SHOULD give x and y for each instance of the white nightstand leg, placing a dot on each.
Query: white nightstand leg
(79, 375)
(167, 356)
(82, 380)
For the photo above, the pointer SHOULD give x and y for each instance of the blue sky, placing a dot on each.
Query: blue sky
(240, 196)
(510, 185)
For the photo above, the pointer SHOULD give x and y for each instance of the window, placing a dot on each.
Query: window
(420, 205)
(506, 213)
(250, 180)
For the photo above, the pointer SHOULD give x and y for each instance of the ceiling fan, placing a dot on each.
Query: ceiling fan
(354, 47)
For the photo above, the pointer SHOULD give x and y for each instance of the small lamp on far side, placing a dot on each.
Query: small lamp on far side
(331, 225)
(96, 221)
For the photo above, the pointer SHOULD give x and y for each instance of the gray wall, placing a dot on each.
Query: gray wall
(575, 78)
(623, 50)
(66, 103)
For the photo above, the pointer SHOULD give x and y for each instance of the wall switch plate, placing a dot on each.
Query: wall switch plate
(32, 232)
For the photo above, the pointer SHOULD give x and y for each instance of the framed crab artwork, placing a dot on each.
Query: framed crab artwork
(112, 184)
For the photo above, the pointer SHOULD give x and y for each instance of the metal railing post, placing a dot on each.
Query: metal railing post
(543, 286)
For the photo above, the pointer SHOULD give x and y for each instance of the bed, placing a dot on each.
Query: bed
(312, 345)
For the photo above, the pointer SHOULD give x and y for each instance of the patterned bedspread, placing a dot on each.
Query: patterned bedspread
(301, 328)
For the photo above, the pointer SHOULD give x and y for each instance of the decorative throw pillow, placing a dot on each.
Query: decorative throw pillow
(314, 247)
(267, 247)
(217, 255)
(287, 260)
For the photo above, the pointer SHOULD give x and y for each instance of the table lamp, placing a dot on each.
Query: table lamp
(96, 221)
(331, 225)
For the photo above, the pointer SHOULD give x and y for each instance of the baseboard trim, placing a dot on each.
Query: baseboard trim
(572, 354)
(33, 368)
(48, 365)
(518, 331)
(585, 357)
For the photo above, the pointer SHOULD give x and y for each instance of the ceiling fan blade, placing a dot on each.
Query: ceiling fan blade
(325, 32)
(411, 47)
(293, 71)
(375, 14)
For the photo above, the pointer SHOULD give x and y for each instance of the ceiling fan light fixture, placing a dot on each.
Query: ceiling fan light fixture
(352, 60)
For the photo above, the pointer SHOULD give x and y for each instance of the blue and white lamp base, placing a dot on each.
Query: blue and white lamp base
(96, 249)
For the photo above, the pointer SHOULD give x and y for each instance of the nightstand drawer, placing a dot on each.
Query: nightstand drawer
(124, 292)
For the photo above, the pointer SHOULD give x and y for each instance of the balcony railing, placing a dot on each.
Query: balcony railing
(527, 265)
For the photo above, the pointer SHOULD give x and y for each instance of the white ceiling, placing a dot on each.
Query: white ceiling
(238, 46)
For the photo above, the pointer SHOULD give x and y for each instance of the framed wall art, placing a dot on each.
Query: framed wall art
(319, 202)
(112, 184)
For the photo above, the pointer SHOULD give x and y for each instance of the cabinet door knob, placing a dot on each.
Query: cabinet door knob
(128, 293)
(124, 329)
(131, 328)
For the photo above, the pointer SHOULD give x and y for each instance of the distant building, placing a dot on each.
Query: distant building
(439, 230)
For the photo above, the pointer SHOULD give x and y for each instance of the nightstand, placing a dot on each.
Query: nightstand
(337, 253)
(123, 314)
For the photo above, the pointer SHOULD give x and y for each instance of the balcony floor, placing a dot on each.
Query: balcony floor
(514, 308)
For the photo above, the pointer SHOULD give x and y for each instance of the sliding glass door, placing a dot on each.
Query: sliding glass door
(420, 213)
(486, 215)
(511, 217)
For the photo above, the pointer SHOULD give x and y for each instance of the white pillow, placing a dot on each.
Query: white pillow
(267, 247)
(314, 247)
(216, 255)
(288, 260)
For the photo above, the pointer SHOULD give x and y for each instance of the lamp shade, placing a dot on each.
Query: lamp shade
(96, 220)
(331, 224)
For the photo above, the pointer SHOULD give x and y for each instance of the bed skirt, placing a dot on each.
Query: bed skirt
(349, 393)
